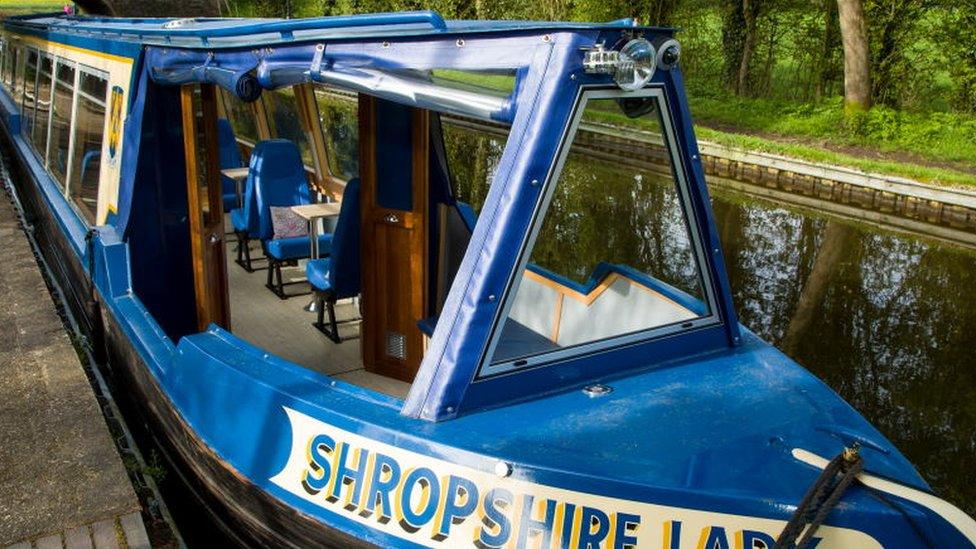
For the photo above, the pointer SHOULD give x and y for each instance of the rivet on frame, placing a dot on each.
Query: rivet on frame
(386, 44)
(319, 47)
(546, 38)
(491, 297)
(460, 42)
(535, 183)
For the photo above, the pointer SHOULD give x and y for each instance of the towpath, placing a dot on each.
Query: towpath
(62, 482)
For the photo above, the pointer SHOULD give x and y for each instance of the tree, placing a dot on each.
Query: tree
(739, 37)
(857, 68)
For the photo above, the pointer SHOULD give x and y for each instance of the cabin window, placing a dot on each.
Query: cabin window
(241, 117)
(3, 58)
(613, 259)
(30, 83)
(64, 85)
(43, 109)
(10, 63)
(86, 157)
(473, 154)
(285, 122)
(339, 117)
(18, 75)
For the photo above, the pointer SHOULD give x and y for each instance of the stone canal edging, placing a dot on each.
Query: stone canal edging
(942, 206)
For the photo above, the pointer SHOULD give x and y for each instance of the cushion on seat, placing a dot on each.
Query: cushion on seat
(317, 273)
(296, 247)
(279, 180)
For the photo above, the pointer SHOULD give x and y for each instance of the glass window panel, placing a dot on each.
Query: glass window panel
(339, 118)
(42, 110)
(472, 158)
(18, 74)
(64, 86)
(27, 100)
(89, 131)
(614, 254)
(241, 116)
(282, 108)
(8, 66)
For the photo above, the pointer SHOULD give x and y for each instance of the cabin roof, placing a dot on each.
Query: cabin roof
(237, 32)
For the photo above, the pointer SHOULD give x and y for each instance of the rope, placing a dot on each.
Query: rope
(820, 499)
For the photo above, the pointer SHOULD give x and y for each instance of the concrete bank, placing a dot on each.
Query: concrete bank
(62, 482)
(949, 208)
(945, 213)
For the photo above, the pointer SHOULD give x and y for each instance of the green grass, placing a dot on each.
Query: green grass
(19, 7)
(938, 137)
(918, 172)
(751, 117)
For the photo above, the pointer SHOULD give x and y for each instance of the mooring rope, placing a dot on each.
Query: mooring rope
(820, 499)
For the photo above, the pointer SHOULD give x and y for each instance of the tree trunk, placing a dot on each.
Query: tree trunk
(857, 73)
(748, 46)
(733, 39)
(826, 47)
(833, 248)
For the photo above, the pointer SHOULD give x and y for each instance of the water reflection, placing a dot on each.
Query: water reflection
(885, 319)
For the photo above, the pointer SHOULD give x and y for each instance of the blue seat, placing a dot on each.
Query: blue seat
(279, 181)
(297, 246)
(244, 219)
(338, 276)
(230, 157)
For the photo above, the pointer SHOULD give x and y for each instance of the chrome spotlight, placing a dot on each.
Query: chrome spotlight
(632, 67)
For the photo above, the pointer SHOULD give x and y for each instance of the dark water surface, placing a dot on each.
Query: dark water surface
(886, 319)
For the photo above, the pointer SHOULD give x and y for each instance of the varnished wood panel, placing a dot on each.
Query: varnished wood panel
(206, 218)
(394, 252)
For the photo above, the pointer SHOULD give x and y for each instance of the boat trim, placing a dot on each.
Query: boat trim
(947, 511)
(488, 369)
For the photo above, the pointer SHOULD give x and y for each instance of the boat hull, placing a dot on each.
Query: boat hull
(252, 514)
(245, 513)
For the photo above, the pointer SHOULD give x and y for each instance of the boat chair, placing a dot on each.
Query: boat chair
(280, 181)
(230, 157)
(338, 276)
(244, 219)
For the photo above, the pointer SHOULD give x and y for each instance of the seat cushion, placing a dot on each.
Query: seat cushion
(296, 247)
(317, 273)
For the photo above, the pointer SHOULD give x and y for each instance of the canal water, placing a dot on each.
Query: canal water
(887, 319)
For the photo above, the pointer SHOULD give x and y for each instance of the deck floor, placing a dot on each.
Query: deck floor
(283, 327)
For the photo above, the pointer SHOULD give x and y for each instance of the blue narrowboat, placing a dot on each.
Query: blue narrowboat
(495, 347)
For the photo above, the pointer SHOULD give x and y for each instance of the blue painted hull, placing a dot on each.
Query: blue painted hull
(711, 437)
(709, 451)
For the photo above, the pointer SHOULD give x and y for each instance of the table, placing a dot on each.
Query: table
(238, 175)
(314, 214)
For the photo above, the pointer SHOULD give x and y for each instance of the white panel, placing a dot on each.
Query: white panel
(622, 308)
(535, 306)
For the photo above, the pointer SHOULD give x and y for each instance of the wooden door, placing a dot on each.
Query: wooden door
(393, 169)
(206, 217)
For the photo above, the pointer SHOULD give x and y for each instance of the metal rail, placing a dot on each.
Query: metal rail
(285, 28)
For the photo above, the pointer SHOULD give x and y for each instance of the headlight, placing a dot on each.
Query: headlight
(632, 67)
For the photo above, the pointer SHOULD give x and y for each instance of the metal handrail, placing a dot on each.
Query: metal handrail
(286, 28)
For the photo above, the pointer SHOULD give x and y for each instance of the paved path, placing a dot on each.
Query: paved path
(62, 482)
